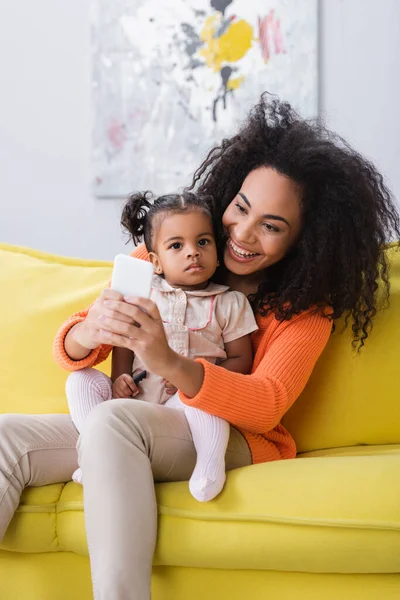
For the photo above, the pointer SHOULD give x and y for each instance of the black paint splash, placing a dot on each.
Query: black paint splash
(220, 5)
(225, 73)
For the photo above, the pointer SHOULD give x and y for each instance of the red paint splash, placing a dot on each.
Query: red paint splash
(270, 34)
(116, 134)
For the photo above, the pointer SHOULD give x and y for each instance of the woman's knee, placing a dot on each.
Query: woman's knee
(18, 435)
(8, 421)
(118, 418)
(103, 420)
(109, 428)
(13, 428)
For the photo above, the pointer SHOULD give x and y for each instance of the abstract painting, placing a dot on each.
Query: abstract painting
(173, 77)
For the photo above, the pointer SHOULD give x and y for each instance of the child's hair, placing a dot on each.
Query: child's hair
(140, 209)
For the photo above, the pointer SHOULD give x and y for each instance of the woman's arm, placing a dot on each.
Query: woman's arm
(73, 347)
(285, 359)
(257, 402)
(61, 347)
(253, 402)
(70, 351)
(239, 360)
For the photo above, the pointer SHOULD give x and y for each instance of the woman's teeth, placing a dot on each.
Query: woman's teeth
(240, 252)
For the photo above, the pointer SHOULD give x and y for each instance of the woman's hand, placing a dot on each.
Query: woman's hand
(85, 336)
(87, 333)
(135, 323)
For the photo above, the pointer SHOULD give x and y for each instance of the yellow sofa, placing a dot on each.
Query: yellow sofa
(323, 526)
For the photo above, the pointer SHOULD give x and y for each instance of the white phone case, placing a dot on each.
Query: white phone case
(132, 276)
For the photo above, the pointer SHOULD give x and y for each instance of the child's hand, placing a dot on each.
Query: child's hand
(124, 387)
(169, 388)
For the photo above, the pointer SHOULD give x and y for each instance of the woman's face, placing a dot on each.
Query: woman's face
(262, 222)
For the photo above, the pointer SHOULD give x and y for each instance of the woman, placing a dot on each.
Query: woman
(305, 218)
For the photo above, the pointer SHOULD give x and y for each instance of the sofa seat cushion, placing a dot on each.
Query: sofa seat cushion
(323, 514)
(34, 526)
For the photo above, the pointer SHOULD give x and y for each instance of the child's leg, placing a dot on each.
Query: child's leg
(210, 437)
(86, 389)
(175, 402)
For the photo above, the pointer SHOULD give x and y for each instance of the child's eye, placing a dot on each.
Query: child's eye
(176, 246)
(240, 208)
(204, 242)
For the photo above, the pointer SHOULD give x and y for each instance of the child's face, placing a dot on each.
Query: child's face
(185, 249)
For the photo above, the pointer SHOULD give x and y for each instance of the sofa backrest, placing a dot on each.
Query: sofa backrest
(350, 399)
(38, 292)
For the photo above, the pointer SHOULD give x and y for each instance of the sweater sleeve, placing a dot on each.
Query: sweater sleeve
(97, 355)
(256, 403)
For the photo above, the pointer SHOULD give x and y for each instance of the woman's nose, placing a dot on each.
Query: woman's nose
(245, 233)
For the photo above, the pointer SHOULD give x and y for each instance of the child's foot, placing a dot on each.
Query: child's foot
(210, 436)
(77, 476)
(204, 488)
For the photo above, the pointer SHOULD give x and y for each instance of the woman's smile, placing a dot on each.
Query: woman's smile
(239, 253)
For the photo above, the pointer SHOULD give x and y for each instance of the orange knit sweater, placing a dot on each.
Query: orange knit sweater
(284, 356)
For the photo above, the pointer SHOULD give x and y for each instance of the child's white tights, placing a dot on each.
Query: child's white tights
(86, 389)
(89, 387)
(210, 437)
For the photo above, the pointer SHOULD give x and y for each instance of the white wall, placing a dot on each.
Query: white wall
(45, 132)
(360, 78)
(45, 117)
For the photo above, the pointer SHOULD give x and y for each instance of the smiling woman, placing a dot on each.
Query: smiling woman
(304, 219)
(261, 228)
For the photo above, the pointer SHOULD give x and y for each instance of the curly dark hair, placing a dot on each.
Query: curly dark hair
(348, 214)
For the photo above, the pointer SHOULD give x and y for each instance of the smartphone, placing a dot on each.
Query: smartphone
(132, 276)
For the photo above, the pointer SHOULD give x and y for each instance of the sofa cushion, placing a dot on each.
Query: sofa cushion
(351, 398)
(39, 291)
(317, 514)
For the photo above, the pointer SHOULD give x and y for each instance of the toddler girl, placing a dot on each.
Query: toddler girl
(201, 319)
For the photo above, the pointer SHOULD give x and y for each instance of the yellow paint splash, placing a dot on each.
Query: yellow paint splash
(233, 84)
(230, 47)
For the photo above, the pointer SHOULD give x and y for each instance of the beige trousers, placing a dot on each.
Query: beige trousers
(124, 447)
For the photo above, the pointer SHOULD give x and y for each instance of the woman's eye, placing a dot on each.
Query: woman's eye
(271, 228)
(240, 208)
(176, 246)
(204, 242)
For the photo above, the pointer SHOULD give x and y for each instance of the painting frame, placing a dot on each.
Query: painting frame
(170, 83)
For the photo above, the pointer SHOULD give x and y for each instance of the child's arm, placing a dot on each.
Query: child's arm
(239, 355)
(235, 315)
(121, 364)
(121, 374)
